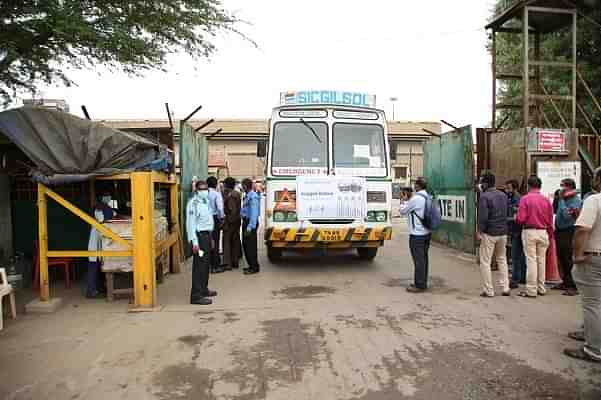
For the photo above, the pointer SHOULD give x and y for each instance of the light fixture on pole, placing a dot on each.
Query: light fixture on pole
(393, 100)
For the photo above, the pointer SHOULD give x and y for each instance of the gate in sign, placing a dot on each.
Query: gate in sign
(452, 208)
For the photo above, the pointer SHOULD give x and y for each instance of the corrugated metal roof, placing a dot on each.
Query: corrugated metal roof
(238, 126)
(260, 126)
(412, 128)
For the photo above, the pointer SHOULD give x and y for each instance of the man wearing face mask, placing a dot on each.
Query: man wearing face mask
(199, 227)
(492, 225)
(568, 209)
(102, 212)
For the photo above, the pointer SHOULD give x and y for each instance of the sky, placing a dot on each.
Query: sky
(430, 54)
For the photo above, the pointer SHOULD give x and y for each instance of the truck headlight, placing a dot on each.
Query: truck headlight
(371, 216)
(279, 216)
(291, 216)
(381, 216)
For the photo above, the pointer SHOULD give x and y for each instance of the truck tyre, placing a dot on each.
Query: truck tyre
(367, 253)
(274, 254)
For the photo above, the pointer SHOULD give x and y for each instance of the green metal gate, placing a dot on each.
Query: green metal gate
(194, 161)
(449, 169)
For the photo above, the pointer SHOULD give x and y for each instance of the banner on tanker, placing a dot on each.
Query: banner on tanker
(329, 197)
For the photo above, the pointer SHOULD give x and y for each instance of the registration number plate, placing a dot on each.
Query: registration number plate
(328, 235)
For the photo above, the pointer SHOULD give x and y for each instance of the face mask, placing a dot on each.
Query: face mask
(106, 199)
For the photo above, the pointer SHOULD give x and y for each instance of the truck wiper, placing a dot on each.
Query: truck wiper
(311, 129)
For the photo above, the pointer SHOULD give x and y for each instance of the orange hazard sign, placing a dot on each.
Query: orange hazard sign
(285, 202)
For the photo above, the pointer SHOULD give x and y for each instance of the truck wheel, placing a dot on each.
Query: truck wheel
(367, 253)
(274, 254)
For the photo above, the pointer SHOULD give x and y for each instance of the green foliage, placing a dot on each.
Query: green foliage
(38, 38)
(556, 46)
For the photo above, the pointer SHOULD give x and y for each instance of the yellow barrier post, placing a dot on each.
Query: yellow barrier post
(175, 253)
(142, 196)
(43, 243)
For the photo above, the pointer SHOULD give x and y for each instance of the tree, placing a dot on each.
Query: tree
(38, 38)
(556, 46)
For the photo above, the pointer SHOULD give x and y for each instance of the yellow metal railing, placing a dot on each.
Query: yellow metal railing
(143, 248)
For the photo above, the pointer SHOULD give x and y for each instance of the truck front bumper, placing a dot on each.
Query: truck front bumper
(341, 238)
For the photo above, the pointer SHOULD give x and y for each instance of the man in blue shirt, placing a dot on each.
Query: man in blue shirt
(414, 208)
(216, 206)
(518, 258)
(199, 226)
(251, 210)
(568, 209)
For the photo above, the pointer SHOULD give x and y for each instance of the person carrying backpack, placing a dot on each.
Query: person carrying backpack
(423, 216)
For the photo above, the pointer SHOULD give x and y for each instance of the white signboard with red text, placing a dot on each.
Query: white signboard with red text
(550, 141)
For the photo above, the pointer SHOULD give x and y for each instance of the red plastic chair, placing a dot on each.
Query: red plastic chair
(66, 263)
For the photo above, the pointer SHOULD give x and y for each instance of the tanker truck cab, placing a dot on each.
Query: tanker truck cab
(328, 181)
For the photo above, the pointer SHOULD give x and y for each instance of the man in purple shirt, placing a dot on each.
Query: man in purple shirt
(492, 224)
(535, 214)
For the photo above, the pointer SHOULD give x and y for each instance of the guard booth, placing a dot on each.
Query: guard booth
(64, 151)
(537, 132)
(449, 169)
(143, 246)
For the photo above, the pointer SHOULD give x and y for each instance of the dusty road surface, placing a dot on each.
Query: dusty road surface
(310, 328)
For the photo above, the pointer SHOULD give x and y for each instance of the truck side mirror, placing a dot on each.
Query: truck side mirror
(262, 148)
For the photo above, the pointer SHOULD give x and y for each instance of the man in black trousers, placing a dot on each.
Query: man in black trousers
(414, 209)
(250, 213)
(199, 225)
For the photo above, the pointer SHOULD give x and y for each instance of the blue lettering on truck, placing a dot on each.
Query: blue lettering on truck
(327, 97)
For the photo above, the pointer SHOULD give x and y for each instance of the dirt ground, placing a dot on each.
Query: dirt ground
(310, 328)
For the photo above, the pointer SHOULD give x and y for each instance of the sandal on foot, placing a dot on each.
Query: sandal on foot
(578, 335)
(580, 354)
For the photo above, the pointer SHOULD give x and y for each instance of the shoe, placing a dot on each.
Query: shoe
(571, 292)
(507, 294)
(580, 354)
(484, 294)
(249, 271)
(203, 301)
(514, 285)
(525, 294)
(414, 289)
(217, 270)
(578, 335)
(561, 286)
(210, 293)
(542, 293)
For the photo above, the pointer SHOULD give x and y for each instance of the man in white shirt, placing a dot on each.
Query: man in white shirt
(587, 275)
(414, 208)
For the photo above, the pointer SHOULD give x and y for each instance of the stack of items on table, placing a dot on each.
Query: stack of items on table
(123, 228)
